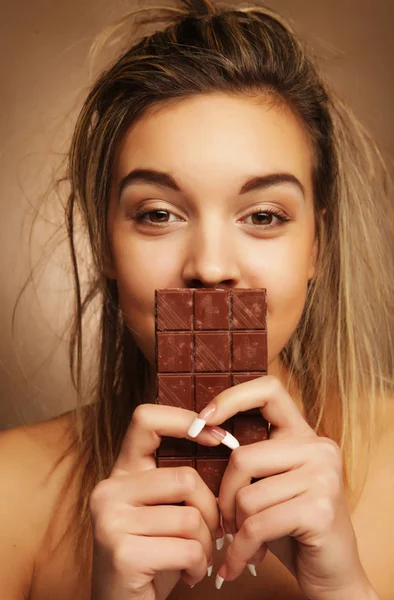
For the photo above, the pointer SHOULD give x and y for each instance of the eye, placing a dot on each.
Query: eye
(157, 216)
(267, 218)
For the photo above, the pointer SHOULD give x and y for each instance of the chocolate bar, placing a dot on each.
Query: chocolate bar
(208, 340)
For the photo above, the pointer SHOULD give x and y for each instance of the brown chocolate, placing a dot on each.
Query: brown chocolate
(207, 341)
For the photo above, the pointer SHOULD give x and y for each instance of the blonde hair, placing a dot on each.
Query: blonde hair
(341, 353)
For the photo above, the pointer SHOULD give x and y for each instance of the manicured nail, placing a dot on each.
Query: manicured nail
(230, 537)
(225, 437)
(209, 571)
(218, 582)
(195, 428)
(252, 569)
(219, 579)
(230, 441)
(219, 543)
(200, 421)
(208, 410)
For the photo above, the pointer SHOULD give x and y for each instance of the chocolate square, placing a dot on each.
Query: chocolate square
(212, 351)
(208, 386)
(176, 390)
(249, 350)
(174, 310)
(249, 429)
(174, 352)
(211, 309)
(249, 309)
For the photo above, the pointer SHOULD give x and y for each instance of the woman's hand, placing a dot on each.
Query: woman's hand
(140, 545)
(297, 509)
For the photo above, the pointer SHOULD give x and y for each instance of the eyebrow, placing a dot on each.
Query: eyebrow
(165, 180)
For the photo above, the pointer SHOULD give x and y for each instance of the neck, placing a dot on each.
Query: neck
(277, 369)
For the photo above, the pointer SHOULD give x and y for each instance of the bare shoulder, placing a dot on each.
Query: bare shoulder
(372, 517)
(30, 476)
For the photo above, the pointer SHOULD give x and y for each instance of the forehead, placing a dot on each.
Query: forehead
(214, 140)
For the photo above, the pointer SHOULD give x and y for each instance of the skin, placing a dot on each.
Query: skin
(297, 509)
(212, 145)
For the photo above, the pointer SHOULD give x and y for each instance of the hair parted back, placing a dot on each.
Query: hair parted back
(342, 367)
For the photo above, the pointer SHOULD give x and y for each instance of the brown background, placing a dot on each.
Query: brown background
(44, 77)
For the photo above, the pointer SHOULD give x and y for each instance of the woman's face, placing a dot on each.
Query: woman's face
(209, 183)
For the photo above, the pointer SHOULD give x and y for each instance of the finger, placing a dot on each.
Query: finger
(151, 555)
(266, 393)
(269, 492)
(177, 484)
(148, 424)
(165, 521)
(271, 524)
(160, 486)
(261, 460)
(257, 558)
(263, 494)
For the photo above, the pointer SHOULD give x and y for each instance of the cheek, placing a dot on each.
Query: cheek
(140, 269)
(284, 272)
(286, 291)
(137, 304)
(139, 272)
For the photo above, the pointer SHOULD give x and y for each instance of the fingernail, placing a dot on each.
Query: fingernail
(195, 428)
(230, 537)
(208, 410)
(219, 543)
(252, 569)
(225, 437)
(219, 579)
(218, 582)
(209, 571)
(218, 433)
(230, 441)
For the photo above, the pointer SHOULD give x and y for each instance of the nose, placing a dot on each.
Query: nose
(211, 259)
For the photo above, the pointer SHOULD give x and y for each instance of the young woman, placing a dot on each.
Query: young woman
(212, 154)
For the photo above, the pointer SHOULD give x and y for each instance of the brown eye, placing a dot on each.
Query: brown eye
(262, 218)
(159, 216)
(155, 216)
(267, 219)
